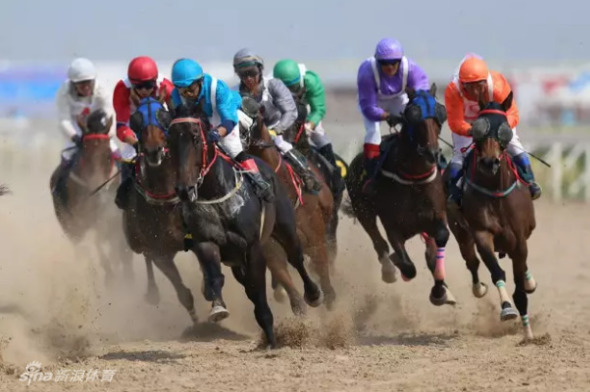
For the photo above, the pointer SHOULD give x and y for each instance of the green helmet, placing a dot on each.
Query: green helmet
(287, 71)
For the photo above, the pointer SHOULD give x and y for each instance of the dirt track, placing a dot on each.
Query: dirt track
(55, 310)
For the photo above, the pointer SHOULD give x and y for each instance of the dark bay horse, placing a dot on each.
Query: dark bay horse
(222, 209)
(409, 197)
(83, 193)
(313, 216)
(152, 221)
(497, 213)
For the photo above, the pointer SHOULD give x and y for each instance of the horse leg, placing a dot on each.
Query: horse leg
(168, 268)
(467, 248)
(440, 293)
(213, 279)
(153, 294)
(275, 262)
(485, 246)
(255, 284)
(312, 227)
(519, 269)
(401, 259)
(106, 264)
(285, 232)
(368, 220)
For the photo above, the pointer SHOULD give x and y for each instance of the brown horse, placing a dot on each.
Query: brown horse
(83, 193)
(152, 219)
(409, 196)
(497, 213)
(313, 212)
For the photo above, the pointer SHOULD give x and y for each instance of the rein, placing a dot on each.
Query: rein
(497, 193)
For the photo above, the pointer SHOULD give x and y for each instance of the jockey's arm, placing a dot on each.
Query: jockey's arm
(284, 101)
(367, 94)
(63, 111)
(123, 112)
(316, 97)
(228, 102)
(456, 111)
(168, 87)
(417, 78)
(105, 102)
(502, 90)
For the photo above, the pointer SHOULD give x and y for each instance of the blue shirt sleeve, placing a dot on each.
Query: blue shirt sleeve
(228, 103)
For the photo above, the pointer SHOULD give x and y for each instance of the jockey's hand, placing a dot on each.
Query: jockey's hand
(213, 135)
(77, 140)
(392, 120)
(470, 132)
(310, 125)
(131, 140)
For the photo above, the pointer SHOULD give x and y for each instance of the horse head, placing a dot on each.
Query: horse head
(253, 132)
(95, 153)
(151, 121)
(189, 146)
(491, 134)
(422, 120)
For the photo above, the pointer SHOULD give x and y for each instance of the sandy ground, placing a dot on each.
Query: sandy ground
(55, 309)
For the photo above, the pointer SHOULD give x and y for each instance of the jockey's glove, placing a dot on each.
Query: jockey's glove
(213, 135)
(393, 120)
(77, 140)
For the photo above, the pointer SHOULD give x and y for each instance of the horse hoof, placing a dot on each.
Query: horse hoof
(280, 294)
(153, 297)
(314, 303)
(447, 298)
(508, 314)
(405, 278)
(451, 300)
(388, 274)
(299, 308)
(479, 289)
(530, 285)
(217, 314)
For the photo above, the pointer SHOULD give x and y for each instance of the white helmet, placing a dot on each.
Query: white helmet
(81, 69)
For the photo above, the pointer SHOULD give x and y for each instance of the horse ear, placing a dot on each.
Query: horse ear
(411, 92)
(433, 89)
(507, 104)
(110, 123)
(162, 95)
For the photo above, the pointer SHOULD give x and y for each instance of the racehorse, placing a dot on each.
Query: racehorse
(152, 221)
(409, 194)
(329, 196)
(312, 216)
(222, 209)
(83, 193)
(496, 214)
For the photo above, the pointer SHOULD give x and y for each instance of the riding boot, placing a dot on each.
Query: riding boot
(371, 161)
(127, 175)
(299, 163)
(262, 188)
(455, 191)
(337, 183)
(525, 171)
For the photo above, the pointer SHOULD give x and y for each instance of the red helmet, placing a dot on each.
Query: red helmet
(141, 69)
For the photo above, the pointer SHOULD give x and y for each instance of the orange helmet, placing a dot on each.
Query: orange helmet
(473, 69)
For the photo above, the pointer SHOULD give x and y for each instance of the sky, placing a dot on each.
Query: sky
(504, 30)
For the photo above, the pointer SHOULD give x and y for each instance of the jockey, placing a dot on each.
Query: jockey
(78, 96)
(280, 110)
(308, 91)
(143, 80)
(220, 105)
(381, 81)
(471, 82)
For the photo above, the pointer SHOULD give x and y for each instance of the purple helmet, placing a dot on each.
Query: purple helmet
(389, 49)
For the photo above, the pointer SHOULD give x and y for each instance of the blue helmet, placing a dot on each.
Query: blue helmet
(185, 72)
